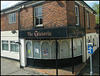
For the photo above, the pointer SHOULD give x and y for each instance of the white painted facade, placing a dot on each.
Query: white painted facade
(90, 37)
(8, 36)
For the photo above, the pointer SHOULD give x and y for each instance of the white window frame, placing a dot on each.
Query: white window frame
(35, 17)
(31, 48)
(5, 43)
(12, 18)
(14, 44)
(88, 25)
(39, 49)
(77, 15)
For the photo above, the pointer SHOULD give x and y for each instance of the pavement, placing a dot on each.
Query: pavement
(95, 65)
(11, 67)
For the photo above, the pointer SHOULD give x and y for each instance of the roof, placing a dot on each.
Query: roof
(24, 2)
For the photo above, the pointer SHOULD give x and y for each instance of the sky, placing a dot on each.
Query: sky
(6, 4)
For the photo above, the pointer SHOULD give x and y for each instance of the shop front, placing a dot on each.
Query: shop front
(39, 48)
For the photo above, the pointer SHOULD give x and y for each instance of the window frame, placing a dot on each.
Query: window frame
(30, 48)
(15, 45)
(12, 18)
(77, 15)
(5, 43)
(37, 17)
(88, 20)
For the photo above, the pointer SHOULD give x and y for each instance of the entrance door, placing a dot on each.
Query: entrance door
(29, 49)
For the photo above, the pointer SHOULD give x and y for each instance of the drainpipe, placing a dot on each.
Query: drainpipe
(56, 58)
(85, 33)
(19, 36)
(72, 56)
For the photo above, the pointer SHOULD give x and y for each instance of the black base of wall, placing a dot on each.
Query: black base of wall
(51, 63)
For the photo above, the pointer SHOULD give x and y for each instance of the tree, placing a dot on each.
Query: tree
(96, 9)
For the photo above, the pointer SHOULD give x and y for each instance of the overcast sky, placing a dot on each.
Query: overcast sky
(6, 4)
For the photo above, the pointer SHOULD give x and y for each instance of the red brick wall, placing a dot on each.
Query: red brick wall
(71, 18)
(92, 23)
(81, 15)
(91, 20)
(5, 26)
(54, 14)
(26, 18)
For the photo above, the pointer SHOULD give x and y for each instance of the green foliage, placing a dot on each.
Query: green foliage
(96, 8)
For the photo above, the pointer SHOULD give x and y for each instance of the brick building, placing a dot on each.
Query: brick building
(38, 24)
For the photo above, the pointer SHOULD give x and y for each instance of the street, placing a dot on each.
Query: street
(11, 67)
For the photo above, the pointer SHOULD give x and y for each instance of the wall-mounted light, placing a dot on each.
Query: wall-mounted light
(23, 6)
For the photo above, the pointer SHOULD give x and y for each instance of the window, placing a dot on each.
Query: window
(45, 50)
(88, 26)
(36, 51)
(12, 18)
(29, 49)
(38, 15)
(65, 50)
(5, 45)
(75, 48)
(79, 47)
(53, 50)
(77, 14)
(13, 46)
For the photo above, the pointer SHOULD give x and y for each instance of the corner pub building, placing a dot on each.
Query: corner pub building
(45, 27)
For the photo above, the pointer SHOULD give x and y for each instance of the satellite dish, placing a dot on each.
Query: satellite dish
(13, 31)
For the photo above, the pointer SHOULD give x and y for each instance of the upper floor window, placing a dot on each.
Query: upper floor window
(12, 18)
(77, 14)
(88, 26)
(38, 15)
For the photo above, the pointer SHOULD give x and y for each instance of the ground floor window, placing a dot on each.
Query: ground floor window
(65, 50)
(79, 47)
(5, 45)
(29, 49)
(13, 46)
(36, 50)
(75, 48)
(53, 50)
(45, 50)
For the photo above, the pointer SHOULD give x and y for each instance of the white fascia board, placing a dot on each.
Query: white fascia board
(16, 9)
(84, 6)
(34, 3)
